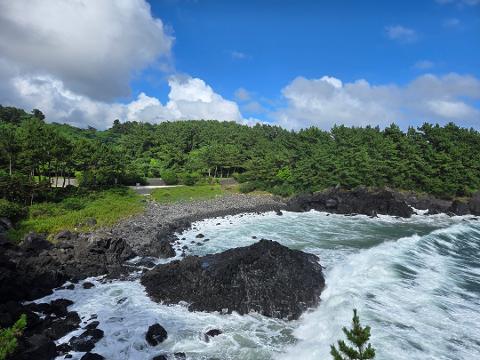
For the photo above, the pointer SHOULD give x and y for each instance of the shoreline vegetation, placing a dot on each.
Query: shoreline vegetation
(440, 161)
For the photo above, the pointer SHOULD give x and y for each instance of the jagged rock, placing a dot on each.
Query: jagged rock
(88, 285)
(156, 334)
(92, 356)
(265, 277)
(86, 341)
(180, 355)
(165, 249)
(38, 347)
(35, 243)
(92, 325)
(200, 236)
(160, 357)
(211, 333)
(459, 208)
(474, 204)
(357, 201)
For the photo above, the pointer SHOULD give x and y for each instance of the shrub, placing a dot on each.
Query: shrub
(247, 187)
(283, 190)
(12, 211)
(241, 178)
(189, 178)
(8, 337)
(169, 177)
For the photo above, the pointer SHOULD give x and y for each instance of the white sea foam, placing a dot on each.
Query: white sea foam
(414, 281)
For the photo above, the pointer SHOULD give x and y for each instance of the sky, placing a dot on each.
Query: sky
(290, 63)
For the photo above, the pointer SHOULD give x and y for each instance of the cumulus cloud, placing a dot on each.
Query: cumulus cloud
(327, 101)
(189, 98)
(401, 33)
(93, 47)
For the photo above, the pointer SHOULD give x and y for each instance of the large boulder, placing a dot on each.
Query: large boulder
(265, 277)
(474, 204)
(156, 334)
(357, 201)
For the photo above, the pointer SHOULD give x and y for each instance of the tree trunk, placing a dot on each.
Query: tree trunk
(10, 166)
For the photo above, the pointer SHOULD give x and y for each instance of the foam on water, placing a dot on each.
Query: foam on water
(415, 281)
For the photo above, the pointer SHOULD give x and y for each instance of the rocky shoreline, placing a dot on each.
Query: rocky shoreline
(36, 267)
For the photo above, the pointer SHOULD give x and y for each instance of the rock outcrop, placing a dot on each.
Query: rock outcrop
(265, 277)
(358, 201)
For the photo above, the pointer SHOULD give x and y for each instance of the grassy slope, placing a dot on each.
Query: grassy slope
(106, 207)
(187, 193)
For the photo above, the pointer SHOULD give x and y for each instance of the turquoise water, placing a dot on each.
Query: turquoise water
(415, 281)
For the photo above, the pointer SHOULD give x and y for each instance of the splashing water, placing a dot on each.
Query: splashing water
(415, 281)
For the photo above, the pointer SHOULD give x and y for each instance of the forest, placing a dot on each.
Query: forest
(440, 160)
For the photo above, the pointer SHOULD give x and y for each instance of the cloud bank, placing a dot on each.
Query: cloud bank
(327, 101)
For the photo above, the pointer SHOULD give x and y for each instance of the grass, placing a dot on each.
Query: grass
(188, 193)
(73, 213)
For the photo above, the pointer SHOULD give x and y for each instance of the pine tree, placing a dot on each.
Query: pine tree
(358, 337)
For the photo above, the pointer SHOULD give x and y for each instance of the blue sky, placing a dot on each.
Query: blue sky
(293, 63)
(263, 45)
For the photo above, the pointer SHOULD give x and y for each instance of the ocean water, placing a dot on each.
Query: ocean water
(415, 281)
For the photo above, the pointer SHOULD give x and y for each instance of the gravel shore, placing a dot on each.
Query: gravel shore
(162, 221)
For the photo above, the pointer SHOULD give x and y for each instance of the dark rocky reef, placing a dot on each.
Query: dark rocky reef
(358, 201)
(35, 268)
(265, 277)
(366, 201)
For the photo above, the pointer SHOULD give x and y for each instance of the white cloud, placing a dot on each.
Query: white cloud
(93, 47)
(327, 101)
(401, 33)
(189, 98)
(424, 65)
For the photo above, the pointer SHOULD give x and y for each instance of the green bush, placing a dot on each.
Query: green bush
(247, 187)
(8, 337)
(169, 177)
(189, 179)
(241, 178)
(12, 211)
(73, 203)
(283, 190)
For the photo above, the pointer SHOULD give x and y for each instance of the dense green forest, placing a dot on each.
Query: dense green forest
(444, 161)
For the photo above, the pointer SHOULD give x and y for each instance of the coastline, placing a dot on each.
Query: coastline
(160, 222)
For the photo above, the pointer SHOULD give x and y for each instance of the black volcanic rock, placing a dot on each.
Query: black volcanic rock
(265, 277)
(156, 334)
(357, 201)
(474, 204)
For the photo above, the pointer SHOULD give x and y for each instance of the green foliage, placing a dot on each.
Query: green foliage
(248, 187)
(187, 193)
(169, 177)
(358, 336)
(107, 207)
(9, 336)
(12, 211)
(441, 160)
(284, 190)
(189, 179)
